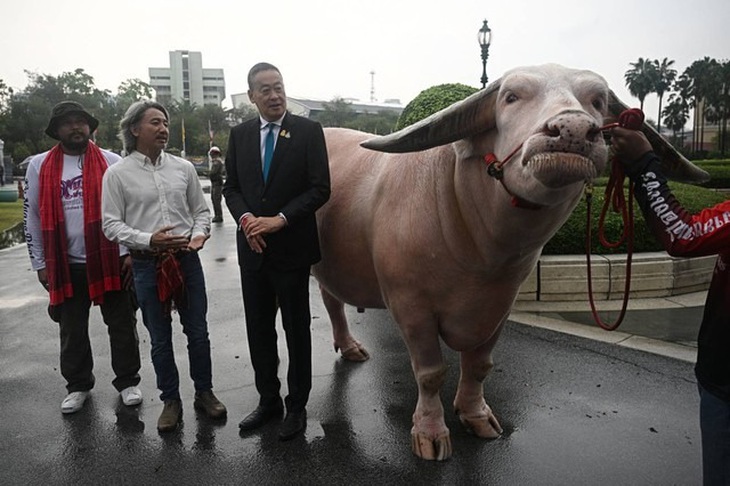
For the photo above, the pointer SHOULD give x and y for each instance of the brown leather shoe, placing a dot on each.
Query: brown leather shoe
(171, 415)
(208, 403)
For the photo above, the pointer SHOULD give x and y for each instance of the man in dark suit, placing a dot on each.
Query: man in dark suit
(278, 176)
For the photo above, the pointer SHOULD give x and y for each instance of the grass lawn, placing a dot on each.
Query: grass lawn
(11, 213)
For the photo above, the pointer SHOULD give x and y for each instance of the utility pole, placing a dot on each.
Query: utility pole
(372, 86)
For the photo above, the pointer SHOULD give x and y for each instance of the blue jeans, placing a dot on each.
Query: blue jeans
(159, 325)
(715, 426)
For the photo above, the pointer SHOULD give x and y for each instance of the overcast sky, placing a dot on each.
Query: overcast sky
(327, 48)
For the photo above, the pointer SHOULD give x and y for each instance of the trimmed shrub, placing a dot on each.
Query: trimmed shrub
(431, 100)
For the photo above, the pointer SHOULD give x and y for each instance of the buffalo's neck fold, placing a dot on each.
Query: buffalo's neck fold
(495, 236)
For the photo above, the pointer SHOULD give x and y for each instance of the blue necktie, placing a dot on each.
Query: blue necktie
(268, 150)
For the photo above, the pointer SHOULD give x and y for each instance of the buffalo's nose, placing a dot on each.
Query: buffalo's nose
(571, 130)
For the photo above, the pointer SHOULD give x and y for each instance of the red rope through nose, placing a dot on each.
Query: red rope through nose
(631, 119)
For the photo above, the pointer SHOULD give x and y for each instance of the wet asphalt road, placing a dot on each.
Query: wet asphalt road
(575, 411)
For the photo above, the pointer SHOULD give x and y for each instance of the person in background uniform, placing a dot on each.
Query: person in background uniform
(216, 183)
(153, 203)
(689, 235)
(75, 262)
(277, 177)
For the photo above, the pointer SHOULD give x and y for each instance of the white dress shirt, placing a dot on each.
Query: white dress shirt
(265, 130)
(140, 197)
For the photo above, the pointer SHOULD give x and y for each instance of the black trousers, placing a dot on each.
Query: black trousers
(118, 312)
(263, 291)
(216, 194)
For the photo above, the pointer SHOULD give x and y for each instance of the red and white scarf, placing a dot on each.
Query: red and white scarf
(102, 255)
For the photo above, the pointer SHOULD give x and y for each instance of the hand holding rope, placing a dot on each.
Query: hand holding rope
(631, 119)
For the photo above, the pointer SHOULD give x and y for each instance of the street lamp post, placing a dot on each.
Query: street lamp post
(485, 38)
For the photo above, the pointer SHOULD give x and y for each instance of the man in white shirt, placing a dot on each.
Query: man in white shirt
(75, 263)
(153, 203)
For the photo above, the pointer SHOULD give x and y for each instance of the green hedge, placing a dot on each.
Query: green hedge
(571, 238)
(719, 170)
(431, 100)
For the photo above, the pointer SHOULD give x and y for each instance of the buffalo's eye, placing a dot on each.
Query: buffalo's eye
(598, 104)
(511, 98)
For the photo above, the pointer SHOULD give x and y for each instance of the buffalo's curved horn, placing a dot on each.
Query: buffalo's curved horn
(674, 165)
(474, 114)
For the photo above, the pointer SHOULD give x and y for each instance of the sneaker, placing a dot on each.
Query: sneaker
(208, 402)
(171, 415)
(131, 396)
(74, 402)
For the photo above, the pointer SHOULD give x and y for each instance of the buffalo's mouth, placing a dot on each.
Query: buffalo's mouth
(557, 169)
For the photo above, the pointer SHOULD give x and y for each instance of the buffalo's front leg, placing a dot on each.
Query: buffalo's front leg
(430, 437)
(469, 404)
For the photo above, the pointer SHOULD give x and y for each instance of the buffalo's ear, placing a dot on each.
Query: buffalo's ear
(470, 116)
(674, 165)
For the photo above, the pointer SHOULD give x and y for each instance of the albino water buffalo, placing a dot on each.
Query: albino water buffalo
(445, 247)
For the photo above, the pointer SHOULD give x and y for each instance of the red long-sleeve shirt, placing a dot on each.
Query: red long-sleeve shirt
(688, 235)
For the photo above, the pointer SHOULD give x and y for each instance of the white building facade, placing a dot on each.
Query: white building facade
(186, 80)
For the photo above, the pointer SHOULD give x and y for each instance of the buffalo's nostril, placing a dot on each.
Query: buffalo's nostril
(594, 134)
(551, 131)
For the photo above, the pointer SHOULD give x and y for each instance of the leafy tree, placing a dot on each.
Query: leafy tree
(241, 114)
(641, 79)
(132, 90)
(26, 122)
(182, 113)
(21, 152)
(382, 123)
(432, 100)
(337, 113)
(215, 123)
(5, 94)
(28, 111)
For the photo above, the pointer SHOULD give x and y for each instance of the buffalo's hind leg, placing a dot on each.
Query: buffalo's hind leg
(469, 404)
(352, 350)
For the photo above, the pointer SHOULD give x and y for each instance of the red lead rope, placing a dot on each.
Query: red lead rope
(614, 195)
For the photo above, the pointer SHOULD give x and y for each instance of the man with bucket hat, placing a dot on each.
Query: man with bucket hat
(75, 262)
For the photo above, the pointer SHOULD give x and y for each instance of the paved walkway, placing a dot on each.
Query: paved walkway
(664, 326)
(600, 410)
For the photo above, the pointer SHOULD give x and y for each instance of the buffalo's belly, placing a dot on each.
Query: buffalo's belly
(358, 289)
(476, 320)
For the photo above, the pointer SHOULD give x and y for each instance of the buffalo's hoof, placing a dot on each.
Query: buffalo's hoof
(354, 352)
(438, 449)
(484, 425)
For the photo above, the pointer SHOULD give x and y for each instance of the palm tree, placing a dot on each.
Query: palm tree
(718, 99)
(641, 79)
(665, 75)
(676, 114)
(697, 85)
